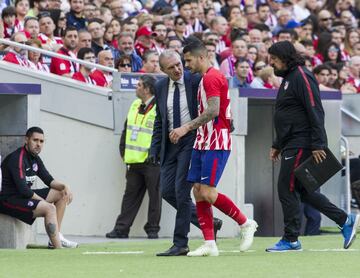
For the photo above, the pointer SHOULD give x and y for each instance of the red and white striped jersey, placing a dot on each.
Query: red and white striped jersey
(215, 134)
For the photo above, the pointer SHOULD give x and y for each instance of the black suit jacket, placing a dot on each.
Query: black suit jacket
(160, 137)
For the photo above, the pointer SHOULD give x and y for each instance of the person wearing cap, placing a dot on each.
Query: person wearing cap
(144, 40)
(300, 134)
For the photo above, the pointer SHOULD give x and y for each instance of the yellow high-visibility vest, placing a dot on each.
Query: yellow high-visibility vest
(139, 132)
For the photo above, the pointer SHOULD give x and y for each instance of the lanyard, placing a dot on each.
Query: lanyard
(146, 111)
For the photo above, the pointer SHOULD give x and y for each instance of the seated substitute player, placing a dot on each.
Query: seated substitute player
(211, 150)
(17, 199)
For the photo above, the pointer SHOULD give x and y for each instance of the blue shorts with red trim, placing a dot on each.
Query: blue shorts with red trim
(206, 167)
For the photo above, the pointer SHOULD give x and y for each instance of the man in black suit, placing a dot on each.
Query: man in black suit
(176, 103)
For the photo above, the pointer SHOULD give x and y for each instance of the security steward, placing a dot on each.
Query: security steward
(141, 174)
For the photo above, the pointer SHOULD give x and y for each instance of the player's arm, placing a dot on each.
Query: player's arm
(211, 112)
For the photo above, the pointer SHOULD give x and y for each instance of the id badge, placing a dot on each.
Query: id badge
(134, 134)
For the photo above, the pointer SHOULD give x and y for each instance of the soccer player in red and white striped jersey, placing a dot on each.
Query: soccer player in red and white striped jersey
(211, 151)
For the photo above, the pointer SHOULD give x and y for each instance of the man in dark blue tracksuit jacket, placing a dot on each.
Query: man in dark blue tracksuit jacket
(300, 133)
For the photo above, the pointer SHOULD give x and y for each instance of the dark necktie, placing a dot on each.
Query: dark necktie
(176, 107)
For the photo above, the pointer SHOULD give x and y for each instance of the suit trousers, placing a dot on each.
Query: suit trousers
(292, 193)
(139, 178)
(175, 188)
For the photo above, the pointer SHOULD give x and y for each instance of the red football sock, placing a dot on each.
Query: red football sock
(205, 217)
(227, 206)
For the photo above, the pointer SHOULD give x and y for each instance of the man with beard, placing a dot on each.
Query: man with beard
(159, 32)
(126, 47)
(64, 67)
(46, 36)
(75, 17)
(300, 133)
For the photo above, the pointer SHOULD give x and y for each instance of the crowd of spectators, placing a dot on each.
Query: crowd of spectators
(129, 35)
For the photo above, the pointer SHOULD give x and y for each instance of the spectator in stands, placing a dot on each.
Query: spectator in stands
(219, 26)
(251, 15)
(118, 10)
(334, 82)
(103, 78)
(46, 36)
(351, 38)
(286, 35)
(124, 64)
(356, 49)
(83, 75)
(255, 36)
(126, 47)
(17, 55)
(116, 29)
(332, 53)
(265, 16)
(89, 11)
(108, 35)
(180, 28)
(105, 14)
(10, 22)
(325, 21)
(144, 40)
(308, 63)
(142, 174)
(151, 62)
(59, 18)
(322, 75)
(175, 44)
(242, 68)
(252, 54)
(209, 16)
(257, 82)
(307, 30)
(35, 61)
(22, 8)
(211, 48)
(348, 19)
(234, 12)
(38, 6)
(64, 67)
(54, 5)
(159, 33)
(31, 27)
(130, 27)
(283, 16)
(195, 22)
(75, 17)
(238, 50)
(84, 39)
(97, 36)
(354, 72)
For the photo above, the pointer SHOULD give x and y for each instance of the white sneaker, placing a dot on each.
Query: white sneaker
(67, 243)
(247, 234)
(205, 250)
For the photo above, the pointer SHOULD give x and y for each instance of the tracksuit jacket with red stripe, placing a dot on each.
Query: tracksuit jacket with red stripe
(19, 171)
(299, 115)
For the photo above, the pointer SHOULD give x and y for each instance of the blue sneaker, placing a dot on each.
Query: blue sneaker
(349, 229)
(285, 246)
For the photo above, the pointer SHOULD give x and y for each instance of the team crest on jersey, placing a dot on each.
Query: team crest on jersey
(30, 204)
(286, 85)
(35, 167)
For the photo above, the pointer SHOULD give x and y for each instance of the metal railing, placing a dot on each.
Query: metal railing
(350, 114)
(57, 55)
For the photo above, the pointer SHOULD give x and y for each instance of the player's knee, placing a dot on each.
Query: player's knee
(50, 209)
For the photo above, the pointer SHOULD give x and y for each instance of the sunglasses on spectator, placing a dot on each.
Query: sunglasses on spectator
(125, 65)
(333, 49)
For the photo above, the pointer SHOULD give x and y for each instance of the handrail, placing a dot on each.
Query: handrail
(57, 55)
(351, 115)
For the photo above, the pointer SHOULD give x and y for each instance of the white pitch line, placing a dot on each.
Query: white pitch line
(235, 251)
(333, 250)
(113, 253)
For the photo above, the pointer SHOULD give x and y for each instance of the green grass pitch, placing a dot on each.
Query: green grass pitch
(322, 257)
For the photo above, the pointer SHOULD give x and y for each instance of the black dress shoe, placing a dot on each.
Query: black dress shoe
(174, 251)
(152, 235)
(116, 234)
(217, 226)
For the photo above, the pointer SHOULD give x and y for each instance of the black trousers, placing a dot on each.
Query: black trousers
(139, 178)
(292, 193)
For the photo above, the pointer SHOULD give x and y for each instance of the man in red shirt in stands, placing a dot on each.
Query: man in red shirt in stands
(17, 55)
(83, 75)
(65, 67)
(46, 36)
(102, 78)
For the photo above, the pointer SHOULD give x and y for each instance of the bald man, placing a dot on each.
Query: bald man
(103, 78)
